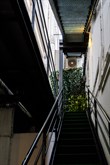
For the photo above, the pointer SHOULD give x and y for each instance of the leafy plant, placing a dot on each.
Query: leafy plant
(72, 81)
(54, 82)
(76, 103)
(73, 86)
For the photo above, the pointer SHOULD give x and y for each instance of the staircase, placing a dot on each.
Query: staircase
(76, 144)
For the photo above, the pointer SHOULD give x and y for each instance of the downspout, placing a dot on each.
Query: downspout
(60, 68)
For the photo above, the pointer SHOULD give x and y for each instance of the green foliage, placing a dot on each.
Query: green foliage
(73, 87)
(54, 82)
(76, 103)
(74, 92)
(72, 82)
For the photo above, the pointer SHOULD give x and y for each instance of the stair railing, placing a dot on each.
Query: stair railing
(100, 120)
(49, 131)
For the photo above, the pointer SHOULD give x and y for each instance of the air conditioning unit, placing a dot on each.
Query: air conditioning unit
(72, 62)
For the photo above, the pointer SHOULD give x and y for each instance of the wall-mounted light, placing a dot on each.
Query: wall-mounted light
(90, 40)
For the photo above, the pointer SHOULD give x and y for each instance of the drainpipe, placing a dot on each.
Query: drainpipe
(60, 69)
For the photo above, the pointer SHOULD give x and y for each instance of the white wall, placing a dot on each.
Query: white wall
(106, 24)
(100, 46)
(98, 56)
(20, 145)
(53, 31)
(94, 50)
(98, 61)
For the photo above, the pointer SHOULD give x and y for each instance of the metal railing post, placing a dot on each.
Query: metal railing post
(109, 134)
(95, 108)
(56, 127)
(60, 69)
(44, 147)
(48, 58)
(88, 99)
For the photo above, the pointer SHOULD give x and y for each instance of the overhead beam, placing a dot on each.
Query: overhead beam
(74, 47)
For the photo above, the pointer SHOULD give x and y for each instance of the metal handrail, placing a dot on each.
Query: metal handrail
(42, 130)
(98, 112)
(102, 109)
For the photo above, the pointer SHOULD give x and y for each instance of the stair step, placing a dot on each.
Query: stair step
(79, 164)
(79, 141)
(75, 120)
(79, 129)
(76, 158)
(76, 145)
(76, 135)
(76, 124)
(75, 115)
(68, 149)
